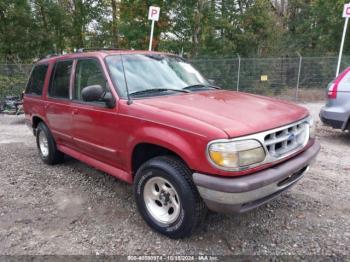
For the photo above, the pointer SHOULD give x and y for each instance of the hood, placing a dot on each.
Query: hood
(237, 114)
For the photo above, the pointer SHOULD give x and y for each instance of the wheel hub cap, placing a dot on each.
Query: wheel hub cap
(43, 144)
(161, 199)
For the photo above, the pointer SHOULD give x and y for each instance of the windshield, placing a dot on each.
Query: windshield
(152, 71)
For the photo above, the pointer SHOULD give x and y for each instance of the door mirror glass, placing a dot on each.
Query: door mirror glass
(92, 93)
(96, 93)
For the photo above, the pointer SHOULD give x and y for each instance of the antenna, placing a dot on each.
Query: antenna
(126, 82)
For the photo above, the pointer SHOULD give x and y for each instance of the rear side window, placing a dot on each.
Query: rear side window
(60, 80)
(36, 81)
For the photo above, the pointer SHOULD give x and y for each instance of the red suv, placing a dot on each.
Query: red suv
(152, 120)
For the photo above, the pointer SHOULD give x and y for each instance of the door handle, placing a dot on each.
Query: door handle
(75, 111)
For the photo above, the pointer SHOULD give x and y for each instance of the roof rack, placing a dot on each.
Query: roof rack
(81, 50)
(46, 56)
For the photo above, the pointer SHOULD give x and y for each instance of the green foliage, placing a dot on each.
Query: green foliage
(12, 85)
(315, 26)
(30, 29)
(13, 79)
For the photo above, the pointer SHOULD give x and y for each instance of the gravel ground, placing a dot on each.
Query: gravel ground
(74, 209)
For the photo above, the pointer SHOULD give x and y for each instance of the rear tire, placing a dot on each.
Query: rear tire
(47, 146)
(167, 198)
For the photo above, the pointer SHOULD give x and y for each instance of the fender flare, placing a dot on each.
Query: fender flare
(165, 138)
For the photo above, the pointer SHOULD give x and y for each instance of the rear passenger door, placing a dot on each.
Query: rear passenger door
(58, 105)
(95, 132)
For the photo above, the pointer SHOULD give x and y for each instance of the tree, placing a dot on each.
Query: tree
(115, 6)
(313, 26)
(33, 28)
(16, 30)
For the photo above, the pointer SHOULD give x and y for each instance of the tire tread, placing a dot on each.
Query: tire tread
(185, 172)
(55, 156)
(178, 165)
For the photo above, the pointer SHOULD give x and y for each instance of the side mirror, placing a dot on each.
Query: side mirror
(92, 93)
(95, 93)
(109, 99)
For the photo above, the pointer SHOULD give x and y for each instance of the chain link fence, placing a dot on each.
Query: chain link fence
(293, 78)
(13, 78)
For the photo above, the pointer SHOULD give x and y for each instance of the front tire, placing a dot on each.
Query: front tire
(47, 146)
(167, 198)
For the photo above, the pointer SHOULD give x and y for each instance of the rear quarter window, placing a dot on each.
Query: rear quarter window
(36, 81)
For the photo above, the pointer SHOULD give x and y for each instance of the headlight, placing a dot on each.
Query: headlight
(236, 154)
(312, 127)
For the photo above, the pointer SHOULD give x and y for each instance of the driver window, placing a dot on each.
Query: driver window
(88, 72)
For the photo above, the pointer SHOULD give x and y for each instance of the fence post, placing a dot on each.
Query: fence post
(298, 80)
(239, 71)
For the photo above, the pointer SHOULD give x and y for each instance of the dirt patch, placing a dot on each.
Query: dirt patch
(74, 209)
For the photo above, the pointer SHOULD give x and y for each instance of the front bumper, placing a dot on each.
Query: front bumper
(247, 192)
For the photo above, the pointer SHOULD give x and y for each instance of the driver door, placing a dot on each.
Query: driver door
(94, 125)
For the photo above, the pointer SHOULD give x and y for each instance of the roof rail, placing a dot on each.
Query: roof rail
(48, 56)
(81, 50)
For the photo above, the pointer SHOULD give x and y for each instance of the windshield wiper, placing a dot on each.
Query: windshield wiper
(157, 90)
(200, 86)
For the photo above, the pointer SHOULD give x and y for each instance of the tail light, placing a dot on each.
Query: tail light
(332, 91)
(333, 87)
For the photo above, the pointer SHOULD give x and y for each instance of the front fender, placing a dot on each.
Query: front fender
(189, 147)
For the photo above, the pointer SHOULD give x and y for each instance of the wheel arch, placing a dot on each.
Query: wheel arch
(145, 151)
(159, 142)
(35, 122)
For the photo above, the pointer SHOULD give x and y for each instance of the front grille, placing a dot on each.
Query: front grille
(285, 140)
